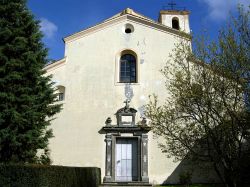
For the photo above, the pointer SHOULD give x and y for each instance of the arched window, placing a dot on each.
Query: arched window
(175, 23)
(128, 69)
(60, 93)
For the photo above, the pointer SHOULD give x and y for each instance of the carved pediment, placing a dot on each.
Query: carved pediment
(126, 111)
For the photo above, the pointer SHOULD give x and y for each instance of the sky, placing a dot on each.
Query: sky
(60, 18)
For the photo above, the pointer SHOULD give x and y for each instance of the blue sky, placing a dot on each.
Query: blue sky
(60, 18)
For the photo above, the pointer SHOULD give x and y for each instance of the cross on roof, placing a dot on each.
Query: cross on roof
(172, 4)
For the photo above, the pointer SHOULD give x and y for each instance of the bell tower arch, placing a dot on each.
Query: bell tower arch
(176, 19)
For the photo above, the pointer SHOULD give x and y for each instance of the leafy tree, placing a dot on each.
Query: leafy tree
(206, 116)
(26, 96)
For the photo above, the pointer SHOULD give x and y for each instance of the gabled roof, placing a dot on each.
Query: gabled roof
(131, 12)
(127, 14)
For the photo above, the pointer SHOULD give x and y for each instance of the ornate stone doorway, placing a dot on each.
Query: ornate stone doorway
(126, 149)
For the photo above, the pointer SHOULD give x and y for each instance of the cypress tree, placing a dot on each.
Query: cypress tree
(26, 95)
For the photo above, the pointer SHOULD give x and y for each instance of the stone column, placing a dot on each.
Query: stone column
(144, 160)
(108, 164)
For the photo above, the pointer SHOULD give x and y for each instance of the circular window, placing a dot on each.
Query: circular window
(128, 28)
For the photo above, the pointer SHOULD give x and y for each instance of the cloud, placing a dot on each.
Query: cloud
(219, 9)
(48, 28)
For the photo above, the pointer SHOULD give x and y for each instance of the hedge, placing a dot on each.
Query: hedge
(48, 176)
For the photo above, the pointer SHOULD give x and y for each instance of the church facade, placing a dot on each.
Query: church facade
(103, 82)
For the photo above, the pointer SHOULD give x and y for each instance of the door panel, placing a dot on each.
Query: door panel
(118, 159)
(126, 159)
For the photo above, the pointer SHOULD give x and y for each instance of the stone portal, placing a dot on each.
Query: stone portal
(126, 149)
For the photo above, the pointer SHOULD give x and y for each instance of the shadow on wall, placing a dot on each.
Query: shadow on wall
(191, 171)
(195, 172)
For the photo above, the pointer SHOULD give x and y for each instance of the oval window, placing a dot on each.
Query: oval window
(128, 28)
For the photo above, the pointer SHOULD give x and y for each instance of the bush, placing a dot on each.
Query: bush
(48, 176)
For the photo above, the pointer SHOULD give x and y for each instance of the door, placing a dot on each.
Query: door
(126, 159)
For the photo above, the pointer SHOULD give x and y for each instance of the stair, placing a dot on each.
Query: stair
(123, 184)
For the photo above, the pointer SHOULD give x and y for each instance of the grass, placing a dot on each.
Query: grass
(193, 185)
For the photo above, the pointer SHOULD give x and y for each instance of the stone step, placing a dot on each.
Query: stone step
(123, 184)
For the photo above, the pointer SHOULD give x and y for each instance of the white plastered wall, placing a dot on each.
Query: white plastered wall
(93, 94)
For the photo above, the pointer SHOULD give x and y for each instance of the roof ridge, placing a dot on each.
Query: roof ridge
(125, 13)
(129, 11)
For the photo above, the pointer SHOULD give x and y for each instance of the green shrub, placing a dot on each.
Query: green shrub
(48, 176)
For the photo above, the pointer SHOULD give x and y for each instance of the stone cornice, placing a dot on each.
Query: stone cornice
(125, 129)
(55, 65)
(93, 29)
(160, 27)
(115, 20)
(175, 12)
